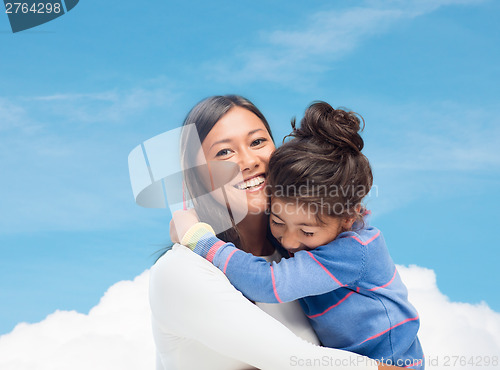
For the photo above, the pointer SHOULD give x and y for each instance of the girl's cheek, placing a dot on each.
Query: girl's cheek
(275, 233)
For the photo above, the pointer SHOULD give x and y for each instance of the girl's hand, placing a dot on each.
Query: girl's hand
(181, 221)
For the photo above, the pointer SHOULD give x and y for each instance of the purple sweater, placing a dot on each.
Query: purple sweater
(350, 290)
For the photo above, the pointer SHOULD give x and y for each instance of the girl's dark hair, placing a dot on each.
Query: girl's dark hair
(322, 165)
(204, 116)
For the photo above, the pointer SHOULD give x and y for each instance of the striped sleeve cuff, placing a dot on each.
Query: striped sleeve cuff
(195, 233)
(201, 239)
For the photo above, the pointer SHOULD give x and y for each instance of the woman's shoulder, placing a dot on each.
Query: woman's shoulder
(176, 254)
(180, 266)
(182, 274)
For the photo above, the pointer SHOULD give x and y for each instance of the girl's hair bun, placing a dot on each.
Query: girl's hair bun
(322, 164)
(336, 127)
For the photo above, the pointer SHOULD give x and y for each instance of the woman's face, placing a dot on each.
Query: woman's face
(241, 138)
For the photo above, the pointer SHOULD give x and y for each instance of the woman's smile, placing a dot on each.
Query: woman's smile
(252, 184)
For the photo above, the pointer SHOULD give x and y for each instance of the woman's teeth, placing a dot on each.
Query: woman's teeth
(252, 183)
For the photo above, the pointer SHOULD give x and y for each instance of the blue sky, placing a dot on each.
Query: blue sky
(79, 93)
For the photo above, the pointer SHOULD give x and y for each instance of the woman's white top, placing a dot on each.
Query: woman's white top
(201, 322)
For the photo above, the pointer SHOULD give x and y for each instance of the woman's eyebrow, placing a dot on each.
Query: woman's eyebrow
(250, 133)
(220, 142)
(254, 131)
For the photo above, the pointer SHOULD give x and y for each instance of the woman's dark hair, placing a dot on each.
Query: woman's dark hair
(322, 165)
(204, 116)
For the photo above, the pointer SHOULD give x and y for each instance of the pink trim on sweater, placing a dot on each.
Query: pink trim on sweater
(228, 258)
(324, 268)
(392, 327)
(274, 286)
(385, 285)
(329, 308)
(368, 241)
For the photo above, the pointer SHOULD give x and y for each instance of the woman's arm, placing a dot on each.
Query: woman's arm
(191, 299)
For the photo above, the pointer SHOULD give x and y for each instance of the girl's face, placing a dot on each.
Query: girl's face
(297, 228)
(241, 138)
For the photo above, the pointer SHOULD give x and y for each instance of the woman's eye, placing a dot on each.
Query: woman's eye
(307, 233)
(258, 141)
(222, 152)
(276, 223)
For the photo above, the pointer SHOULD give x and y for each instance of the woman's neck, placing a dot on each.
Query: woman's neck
(253, 232)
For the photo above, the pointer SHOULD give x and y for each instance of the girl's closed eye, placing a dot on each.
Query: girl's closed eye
(307, 233)
(276, 223)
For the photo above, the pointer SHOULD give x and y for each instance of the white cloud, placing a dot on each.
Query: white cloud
(286, 55)
(116, 334)
(13, 116)
(113, 106)
(448, 329)
(105, 96)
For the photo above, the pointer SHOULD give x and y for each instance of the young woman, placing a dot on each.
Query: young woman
(200, 321)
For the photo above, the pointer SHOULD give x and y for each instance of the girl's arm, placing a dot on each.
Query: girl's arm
(191, 299)
(308, 273)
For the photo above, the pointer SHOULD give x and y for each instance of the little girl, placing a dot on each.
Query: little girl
(339, 266)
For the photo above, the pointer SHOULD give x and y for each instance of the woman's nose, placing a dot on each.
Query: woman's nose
(248, 160)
